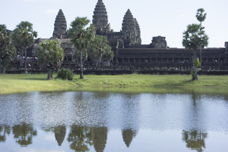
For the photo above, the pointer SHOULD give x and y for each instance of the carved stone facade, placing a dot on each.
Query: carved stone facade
(60, 26)
(130, 30)
(100, 18)
(159, 42)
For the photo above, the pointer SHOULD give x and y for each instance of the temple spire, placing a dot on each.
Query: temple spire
(60, 25)
(130, 30)
(100, 18)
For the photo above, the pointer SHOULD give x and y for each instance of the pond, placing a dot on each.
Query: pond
(111, 122)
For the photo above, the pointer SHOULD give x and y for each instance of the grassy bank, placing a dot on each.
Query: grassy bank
(19, 83)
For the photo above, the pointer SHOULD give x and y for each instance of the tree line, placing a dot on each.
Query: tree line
(50, 52)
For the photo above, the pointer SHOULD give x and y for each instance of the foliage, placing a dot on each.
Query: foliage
(23, 38)
(195, 38)
(100, 50)
(65, 74)
(50, 54)
(7, 50)
(23, 35)
(197, 63)
(201, 15)
(81, 36)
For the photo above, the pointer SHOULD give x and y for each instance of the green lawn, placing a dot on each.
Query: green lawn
(17, 83)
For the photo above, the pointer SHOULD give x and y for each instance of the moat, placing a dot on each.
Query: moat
(108, 122)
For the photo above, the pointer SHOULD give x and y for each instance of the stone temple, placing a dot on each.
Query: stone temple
(132, 56)
(60, 26)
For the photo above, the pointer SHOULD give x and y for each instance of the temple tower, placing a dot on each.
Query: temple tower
(138, 32)
(100, 18)
(130, 30)
(60, 26)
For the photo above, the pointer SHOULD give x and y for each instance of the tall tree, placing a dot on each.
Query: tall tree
(195, 38)
(81, 35)
(7, 50)
(100, 50)
(23, 38)
(50, 54)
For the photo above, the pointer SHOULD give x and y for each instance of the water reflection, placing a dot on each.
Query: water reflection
(128, 136)
(195, 140)
(4, 131)
(80, 138)
(60, 133)
(23, 134)
(100, 122)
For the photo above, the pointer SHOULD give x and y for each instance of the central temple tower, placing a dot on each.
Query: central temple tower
(60, 26)
(100, 18)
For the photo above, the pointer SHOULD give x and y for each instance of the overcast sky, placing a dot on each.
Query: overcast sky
(167, 18)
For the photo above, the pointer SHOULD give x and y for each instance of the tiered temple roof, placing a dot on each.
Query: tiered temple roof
(100, 18)
(60, 25)
(130, 30)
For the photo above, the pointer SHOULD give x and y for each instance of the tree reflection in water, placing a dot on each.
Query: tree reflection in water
(195, 140)
(80, 138)
(4, 130)
(23, 134)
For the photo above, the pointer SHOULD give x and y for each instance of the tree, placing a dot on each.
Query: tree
(100, 50)
(195, 38)
(7, 50)
(81, 36)
(23, 38)
(50, 54)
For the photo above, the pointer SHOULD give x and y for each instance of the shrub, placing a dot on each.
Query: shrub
(65, 74)
(197, 63)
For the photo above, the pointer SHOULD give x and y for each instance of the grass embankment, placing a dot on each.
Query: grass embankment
(17, 83)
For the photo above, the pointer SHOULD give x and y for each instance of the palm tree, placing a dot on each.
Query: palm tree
(81, 36)
(195, 38)
(23, 38)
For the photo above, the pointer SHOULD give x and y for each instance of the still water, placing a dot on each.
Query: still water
(112, 122)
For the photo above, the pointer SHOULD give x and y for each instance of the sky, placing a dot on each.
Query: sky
(167, 18)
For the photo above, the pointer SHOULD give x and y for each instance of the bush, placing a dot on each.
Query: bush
(65, 74)
(197, 63)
